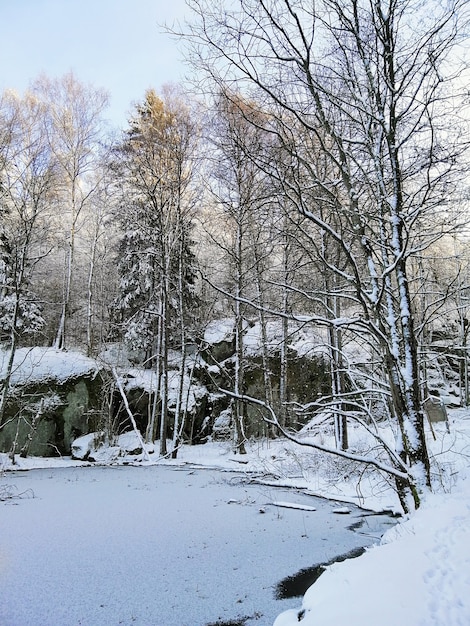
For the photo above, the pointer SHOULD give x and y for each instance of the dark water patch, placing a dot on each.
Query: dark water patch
(356, 525)
(240, 621)
(295, 586)
(352, 554)
(374, 524)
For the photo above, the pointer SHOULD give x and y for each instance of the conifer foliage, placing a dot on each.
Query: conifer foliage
(153, 167)
(27, 178)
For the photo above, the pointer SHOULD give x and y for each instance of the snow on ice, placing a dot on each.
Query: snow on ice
(419, 574)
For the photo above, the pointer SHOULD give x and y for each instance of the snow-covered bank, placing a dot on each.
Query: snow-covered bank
(420, 574)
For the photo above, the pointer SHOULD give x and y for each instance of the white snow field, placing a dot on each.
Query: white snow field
(186, 546)
(156, 546)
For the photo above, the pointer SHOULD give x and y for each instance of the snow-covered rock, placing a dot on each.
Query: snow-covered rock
(221, 426)
(130, 443)
(82, 446)
(58, 395)
(41, 364)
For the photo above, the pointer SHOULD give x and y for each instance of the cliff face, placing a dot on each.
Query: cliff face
(42, 419)
(57, 396)
(54, 397)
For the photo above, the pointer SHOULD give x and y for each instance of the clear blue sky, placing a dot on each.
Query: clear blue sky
(114, 44)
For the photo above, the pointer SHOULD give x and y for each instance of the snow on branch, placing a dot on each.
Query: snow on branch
(130, 414)
(273, 420)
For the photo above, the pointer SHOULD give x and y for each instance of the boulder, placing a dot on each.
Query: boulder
(53, 399)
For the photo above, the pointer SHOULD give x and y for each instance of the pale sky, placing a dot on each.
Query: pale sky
(118, 45)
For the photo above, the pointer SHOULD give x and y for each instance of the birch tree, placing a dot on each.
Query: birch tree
(373, 83)
(240, 195)
(75, 132)
(101, 284)
(27, 182)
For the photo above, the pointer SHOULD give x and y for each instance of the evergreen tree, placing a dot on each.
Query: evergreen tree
(153, 168)
(19, 310)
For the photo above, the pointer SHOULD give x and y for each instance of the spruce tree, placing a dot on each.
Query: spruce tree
(153, 168)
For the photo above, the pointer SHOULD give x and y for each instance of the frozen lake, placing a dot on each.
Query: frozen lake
(160, 546)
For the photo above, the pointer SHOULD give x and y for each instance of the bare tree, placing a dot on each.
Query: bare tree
(27, 182)
(372, 83)
(75, 129)
(240, 196)
(100, 239)
(440, 286)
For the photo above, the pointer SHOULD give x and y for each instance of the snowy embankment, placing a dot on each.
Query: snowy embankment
(418, 576)
(420, 573)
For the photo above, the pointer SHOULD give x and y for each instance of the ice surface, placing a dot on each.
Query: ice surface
(167, 546)
(155, 546)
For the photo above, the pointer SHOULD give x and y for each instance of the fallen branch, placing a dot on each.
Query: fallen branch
(10, 492)
(130, 414)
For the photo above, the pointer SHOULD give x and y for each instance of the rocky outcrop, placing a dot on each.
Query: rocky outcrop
(57, 396)
(53, 399)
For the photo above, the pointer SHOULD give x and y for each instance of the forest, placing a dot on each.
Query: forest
(312, 182)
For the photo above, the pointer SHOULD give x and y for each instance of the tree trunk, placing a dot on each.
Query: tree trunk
(179, 412)
(91, 271)
(59, 343)
(19, 278)
(239, 434)
(283, 354)
(164, 361)
(265, 354)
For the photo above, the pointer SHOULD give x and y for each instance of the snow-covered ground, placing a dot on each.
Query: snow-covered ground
(420, 573)
(418, 576)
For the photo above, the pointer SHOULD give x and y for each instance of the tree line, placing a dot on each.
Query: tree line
(320, 181)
